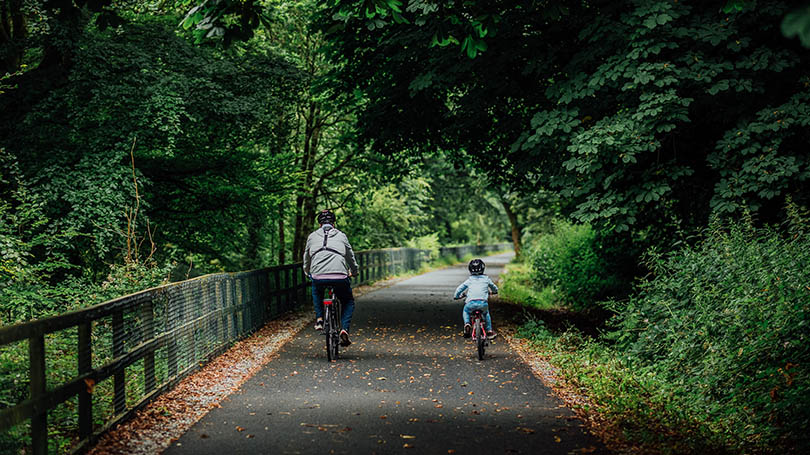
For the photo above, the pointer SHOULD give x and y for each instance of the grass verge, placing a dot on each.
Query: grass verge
(632, 409)
(516, 287)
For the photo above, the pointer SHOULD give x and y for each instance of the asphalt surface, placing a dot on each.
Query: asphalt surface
(408, 384)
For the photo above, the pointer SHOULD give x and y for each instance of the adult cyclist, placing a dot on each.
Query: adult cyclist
(329, 261)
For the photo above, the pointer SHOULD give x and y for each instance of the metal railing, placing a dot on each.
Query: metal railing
(107, 361)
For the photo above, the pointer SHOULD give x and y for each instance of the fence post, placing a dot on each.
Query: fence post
(119, 378)
(288, 281)
(222, 324)
(245, 299)
(296, 291)
(149, 359)
(210, 300)
(361, 263)
(235, 305)
(85, 364)
(277, 291)
(189, 315)
(171, 348)
(39, 421)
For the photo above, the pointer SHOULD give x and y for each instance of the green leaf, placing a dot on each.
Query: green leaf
(797, 23)
(662, 19)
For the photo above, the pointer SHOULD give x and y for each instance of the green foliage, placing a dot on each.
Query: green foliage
(388, 216)
(29, 254)
(638, 402)
(764, 159)
(624, 109)
(797, 23)
(570, 261)
(516, 286)
(725, 324)
(622, 153)
(428, 242)
(207, 130)
(437, 204)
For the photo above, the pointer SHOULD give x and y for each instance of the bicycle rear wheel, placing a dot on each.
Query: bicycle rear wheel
(328, 329)
(479, 338)
(333, 335)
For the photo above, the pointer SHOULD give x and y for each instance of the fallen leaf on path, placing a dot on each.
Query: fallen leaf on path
(525, 430)
(407, 436)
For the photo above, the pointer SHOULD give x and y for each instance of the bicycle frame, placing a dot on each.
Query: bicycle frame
(479, 332)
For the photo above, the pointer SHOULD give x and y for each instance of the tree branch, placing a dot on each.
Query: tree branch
(328, 174)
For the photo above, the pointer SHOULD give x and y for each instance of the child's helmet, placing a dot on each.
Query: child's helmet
(476, 267)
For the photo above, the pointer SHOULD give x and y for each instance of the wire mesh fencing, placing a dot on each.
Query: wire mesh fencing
(77, 374)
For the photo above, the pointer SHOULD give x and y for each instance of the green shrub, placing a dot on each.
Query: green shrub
(516, 287)
(726, 323)
(428, 242)
(635, 400)
(570, 260)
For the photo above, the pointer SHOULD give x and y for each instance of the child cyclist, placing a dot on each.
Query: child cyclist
(478, 287)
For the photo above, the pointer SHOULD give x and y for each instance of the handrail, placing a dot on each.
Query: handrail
(165, 332)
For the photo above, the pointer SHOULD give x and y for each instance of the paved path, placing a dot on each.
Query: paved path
(409, 384)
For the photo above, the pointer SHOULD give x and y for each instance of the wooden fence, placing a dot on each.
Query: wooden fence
(129, 350)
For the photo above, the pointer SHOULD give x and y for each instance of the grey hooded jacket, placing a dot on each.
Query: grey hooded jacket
(331, 259)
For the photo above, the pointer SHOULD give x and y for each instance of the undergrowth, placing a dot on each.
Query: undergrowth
(516, 287)
(710, 354)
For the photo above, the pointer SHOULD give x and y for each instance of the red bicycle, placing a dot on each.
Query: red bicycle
(479, 332)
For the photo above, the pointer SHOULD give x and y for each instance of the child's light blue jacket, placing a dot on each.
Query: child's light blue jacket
(477, 287)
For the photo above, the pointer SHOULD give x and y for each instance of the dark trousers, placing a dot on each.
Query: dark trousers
(343, 291)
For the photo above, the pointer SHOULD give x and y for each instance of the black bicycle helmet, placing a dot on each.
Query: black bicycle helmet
(326, 217)
(476, 267)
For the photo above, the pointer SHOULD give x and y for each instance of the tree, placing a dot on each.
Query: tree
(327, 156)
(208, 129)
(625, 109)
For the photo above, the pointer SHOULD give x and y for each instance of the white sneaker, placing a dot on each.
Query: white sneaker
(319, 324)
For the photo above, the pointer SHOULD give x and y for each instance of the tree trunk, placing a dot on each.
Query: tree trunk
(255, 227)
(516, 229)
(307, 200)
(13, 31)
(307, 167)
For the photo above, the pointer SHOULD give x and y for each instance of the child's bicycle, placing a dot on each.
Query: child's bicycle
(331, 323)
(479, 332)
